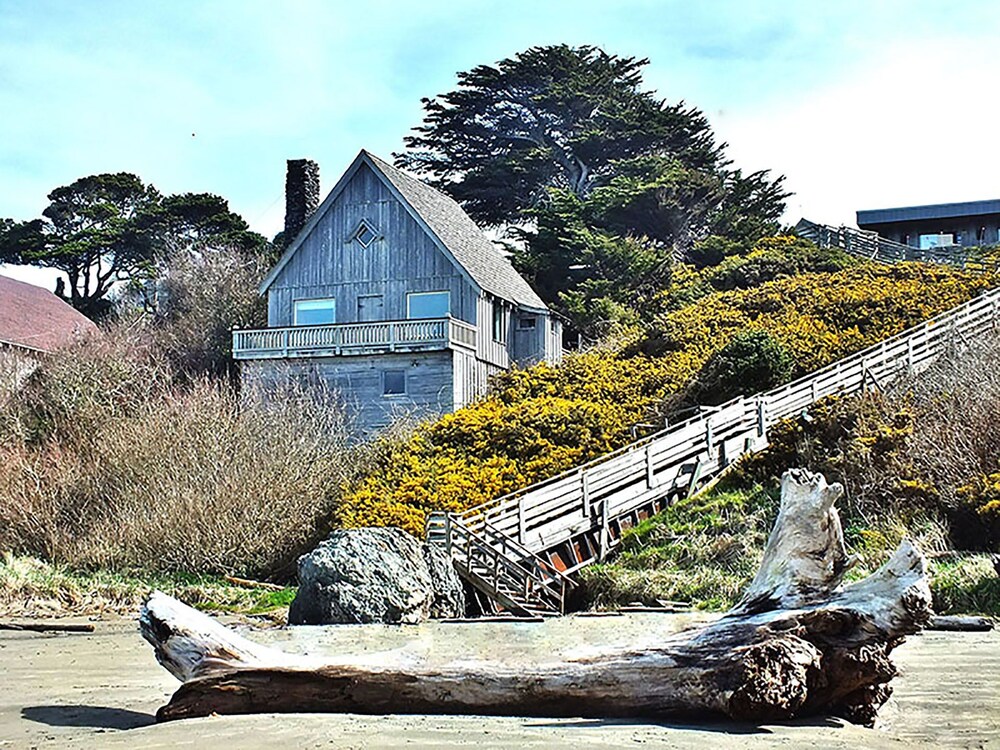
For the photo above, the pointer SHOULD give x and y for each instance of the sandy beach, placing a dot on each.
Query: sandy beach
(102, 690)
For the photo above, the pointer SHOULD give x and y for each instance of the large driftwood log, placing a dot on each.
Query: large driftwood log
(797, 644)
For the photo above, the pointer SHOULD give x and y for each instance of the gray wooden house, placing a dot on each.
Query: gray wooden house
(973, 223)
(393, 297)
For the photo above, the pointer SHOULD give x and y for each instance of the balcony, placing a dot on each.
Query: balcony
(346, 339)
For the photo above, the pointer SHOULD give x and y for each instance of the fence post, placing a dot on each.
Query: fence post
(585, 493)
(761, 418)
(520, 520)
(604, 529)
(447, 533)
(649, 466)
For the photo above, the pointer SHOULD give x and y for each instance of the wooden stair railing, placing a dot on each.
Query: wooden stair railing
(518, 579)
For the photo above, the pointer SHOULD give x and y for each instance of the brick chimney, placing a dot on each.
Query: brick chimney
(301, 195)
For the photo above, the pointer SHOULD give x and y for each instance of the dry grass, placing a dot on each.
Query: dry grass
(105, 463)
(33, 588)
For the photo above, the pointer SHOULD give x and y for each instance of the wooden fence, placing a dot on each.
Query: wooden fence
(870, 246)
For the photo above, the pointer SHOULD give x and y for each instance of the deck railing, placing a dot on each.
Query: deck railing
(354, 338)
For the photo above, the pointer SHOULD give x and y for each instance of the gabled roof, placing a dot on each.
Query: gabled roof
(35, 318)
(935, 211)
(445, 221)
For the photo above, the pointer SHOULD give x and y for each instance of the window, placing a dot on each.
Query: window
(499, 323)
(394, 383)
(527, 323)
(928, 241)
(428, 304)
(365, 234)
(315, 312)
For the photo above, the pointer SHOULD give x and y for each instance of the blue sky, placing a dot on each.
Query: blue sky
(860, 104)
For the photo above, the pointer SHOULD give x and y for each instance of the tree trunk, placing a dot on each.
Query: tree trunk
(797, 644)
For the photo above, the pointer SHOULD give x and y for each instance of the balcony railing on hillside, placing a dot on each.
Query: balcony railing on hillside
(354, 338)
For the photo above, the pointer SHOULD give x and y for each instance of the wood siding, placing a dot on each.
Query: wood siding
(330, 263)
(371, 284)
(357, 384)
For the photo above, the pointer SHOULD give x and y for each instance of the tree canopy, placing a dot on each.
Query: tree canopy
(604, 183)
(554, 116)
(110, 228)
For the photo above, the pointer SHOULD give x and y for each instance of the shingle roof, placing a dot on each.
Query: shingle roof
(463, 238)
(448, 223)
(36, 318)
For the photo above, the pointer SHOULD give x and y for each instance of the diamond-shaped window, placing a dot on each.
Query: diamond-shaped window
(365, 234)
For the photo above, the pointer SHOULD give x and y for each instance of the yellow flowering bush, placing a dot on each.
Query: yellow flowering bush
(540, 421)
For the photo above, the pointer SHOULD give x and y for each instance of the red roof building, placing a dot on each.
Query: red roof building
(34, 318)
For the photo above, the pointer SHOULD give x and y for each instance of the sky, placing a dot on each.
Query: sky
(859, 104)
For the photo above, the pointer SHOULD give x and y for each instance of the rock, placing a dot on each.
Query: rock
(374, 575)
(449, 591)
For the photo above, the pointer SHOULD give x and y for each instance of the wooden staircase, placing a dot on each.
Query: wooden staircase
(509, 574)
(520, 550)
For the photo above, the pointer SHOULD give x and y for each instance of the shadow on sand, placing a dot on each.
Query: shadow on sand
(97, 717)
(721, 726)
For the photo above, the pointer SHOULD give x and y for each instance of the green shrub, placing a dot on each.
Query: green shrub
(751, 362)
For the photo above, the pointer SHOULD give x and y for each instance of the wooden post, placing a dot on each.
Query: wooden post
(447, 534)
(650, 479)
(585, 492)
(521, 523)
(605, 531)
(761, 418)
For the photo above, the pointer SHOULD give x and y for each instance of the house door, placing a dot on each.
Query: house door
(370, 307)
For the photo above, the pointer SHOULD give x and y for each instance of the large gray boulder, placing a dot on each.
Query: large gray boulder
(380, 575)
(449, 591)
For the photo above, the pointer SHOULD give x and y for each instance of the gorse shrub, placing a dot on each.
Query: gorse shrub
(540, 421)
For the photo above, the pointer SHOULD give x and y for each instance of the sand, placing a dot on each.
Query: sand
(101, 690)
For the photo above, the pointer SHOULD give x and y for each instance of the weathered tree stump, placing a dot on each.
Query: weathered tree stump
(797, 644)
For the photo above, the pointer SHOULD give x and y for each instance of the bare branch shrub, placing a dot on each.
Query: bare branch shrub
(204, 295)
(126, 469)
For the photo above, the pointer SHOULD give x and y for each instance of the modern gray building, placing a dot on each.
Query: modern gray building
(940, 225)
(391, 296)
